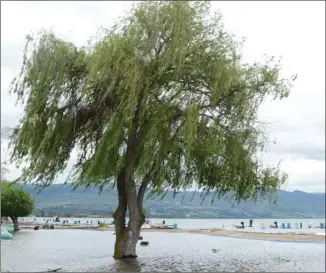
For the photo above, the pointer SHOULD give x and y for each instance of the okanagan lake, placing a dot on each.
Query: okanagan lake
(211, 223)
(92, 251)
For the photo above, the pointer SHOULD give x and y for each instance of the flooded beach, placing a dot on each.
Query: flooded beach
(227, 224)
(92, 251)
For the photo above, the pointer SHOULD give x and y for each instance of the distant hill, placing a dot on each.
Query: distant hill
(60, 199)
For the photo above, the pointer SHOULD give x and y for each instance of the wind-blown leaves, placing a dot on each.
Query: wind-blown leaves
(170, 76)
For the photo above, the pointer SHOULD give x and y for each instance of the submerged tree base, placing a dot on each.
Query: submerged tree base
(118, 256)
(125, 248)
(129, 257)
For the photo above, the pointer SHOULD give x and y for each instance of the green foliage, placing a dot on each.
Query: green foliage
(15, 202)
(167, 86)
(146, 213)
(101, 225)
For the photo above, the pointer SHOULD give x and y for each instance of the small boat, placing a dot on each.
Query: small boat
(162, 226)
(240, 226)
(275, 225)
(146, 226)
(5, 234)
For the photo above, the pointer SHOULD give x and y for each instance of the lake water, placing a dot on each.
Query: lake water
(91, 251)
(216, 223)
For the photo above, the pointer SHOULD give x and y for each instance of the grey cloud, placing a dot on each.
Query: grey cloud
(10, 121)
(12, 54)
(305, 139)
(318, 188)
(10, 112)
(302, 148)
(308, 185)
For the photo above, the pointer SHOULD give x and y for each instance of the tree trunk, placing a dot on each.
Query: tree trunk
(126, 237)
(15, 222)
(120, 215)
(126, 242)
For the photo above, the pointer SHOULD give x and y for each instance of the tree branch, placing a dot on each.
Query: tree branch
(142, 190)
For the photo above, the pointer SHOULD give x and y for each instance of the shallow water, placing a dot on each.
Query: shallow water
(91, 251)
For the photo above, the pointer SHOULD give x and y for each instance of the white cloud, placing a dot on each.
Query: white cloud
(293, 30)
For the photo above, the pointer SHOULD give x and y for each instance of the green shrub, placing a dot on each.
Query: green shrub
(101, 225)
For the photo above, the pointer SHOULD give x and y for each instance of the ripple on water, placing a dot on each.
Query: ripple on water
(86, 250)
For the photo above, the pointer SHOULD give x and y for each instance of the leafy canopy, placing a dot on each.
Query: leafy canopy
(15, 202)
(169, 73)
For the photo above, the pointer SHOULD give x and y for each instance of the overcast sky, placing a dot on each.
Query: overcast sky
(293, 30)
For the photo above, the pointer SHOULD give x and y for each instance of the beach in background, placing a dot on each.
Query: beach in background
(227, 224)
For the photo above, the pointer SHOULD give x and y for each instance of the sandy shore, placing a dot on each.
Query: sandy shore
(249, 235)
(260, 235)
(217, 232)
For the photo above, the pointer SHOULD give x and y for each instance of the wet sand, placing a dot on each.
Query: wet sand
(290, 236)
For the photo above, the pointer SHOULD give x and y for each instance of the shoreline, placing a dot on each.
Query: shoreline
(291, 236)
(249, 235)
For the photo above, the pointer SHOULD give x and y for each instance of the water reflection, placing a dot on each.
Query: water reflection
(127, 265)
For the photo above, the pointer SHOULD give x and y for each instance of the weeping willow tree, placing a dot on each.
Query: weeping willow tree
(163, 100)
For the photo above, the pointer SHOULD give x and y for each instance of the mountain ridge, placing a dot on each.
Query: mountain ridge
(60, 199)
